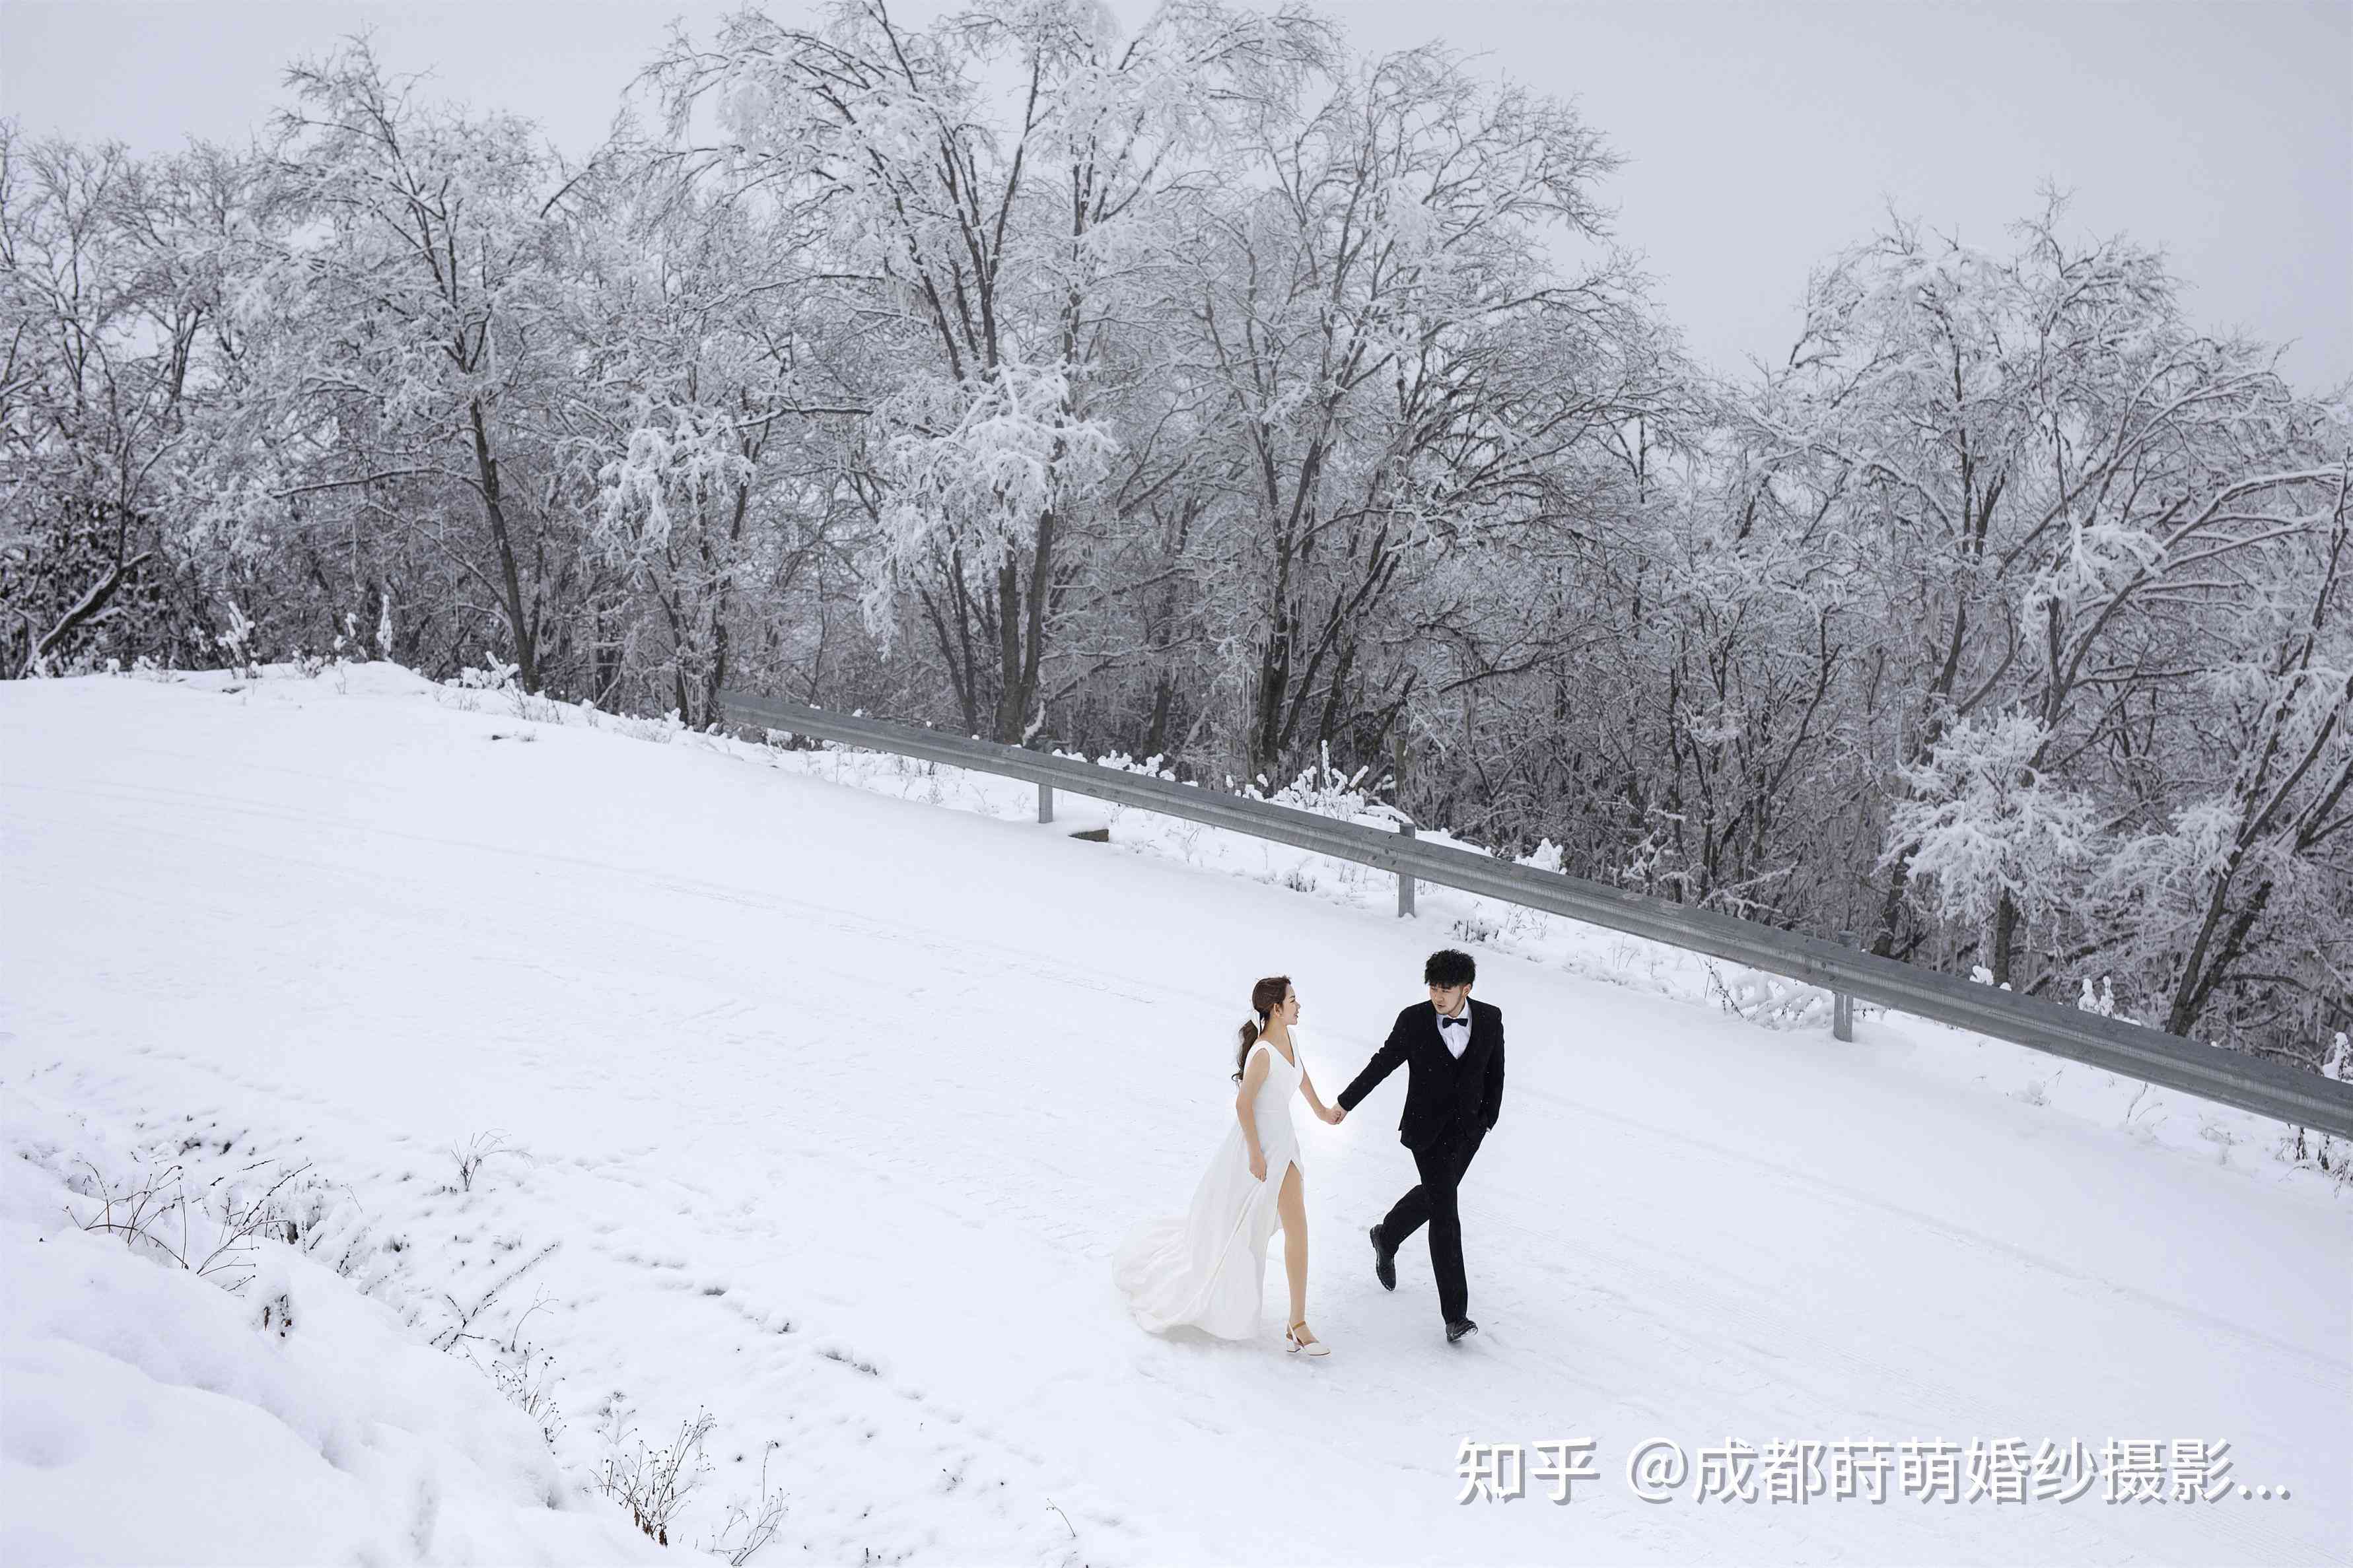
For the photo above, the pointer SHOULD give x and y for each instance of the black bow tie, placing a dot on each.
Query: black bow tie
(1461, 1023)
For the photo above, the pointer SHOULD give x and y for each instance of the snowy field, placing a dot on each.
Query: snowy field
(820, 1111)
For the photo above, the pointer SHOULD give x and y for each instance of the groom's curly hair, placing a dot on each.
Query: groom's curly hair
(1448, 966)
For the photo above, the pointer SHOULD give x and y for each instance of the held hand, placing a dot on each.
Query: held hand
(1333, 1114)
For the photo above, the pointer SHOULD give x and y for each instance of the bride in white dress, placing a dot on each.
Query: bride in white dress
(1207, 1269)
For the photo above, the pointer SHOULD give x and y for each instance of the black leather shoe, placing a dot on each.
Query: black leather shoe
(1384, 1260)
(1459, 1326)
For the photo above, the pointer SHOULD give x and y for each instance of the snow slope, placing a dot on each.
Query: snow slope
(831, 1108)
(151, 1419)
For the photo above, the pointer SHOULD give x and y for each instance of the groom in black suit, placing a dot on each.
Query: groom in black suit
(1453, 1052)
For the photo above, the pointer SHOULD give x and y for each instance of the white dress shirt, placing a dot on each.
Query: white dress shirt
(1456, 1031)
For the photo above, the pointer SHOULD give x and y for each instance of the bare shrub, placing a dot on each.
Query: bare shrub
(476, 1152)
(652, 1483)
(750, 1525)
(155, 1215)
(526, 1377)
(462, 1317)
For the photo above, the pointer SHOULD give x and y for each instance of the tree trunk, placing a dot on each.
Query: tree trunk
(1008, 723)
(511, 580)
(88, 605)
(2199, 975)
(1155, 738)
(1021, 634)
(2005, 937)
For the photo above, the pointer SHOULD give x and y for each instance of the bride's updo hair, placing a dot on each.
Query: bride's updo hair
(1265, 997)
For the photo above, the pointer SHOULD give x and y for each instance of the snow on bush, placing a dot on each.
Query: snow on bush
(288, 1422)
(1327, 792)
(1987, 822)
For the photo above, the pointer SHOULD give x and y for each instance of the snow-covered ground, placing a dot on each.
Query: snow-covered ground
(151, 1417)
(822, 1111)
(1767, 1000)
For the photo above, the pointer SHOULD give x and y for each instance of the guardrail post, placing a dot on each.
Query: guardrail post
(1045, 803)
(1842, 1005)
(1405, 879)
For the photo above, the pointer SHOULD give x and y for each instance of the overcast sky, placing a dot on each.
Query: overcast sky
(1760, 136)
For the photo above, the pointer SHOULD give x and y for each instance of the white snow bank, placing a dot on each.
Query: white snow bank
(150, 1417)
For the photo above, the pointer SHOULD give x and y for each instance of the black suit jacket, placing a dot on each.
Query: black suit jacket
(1445, 1100)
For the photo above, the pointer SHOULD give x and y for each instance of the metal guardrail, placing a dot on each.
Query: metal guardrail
(2230, 1078)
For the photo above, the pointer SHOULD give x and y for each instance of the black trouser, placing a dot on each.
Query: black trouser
(1441, 1166)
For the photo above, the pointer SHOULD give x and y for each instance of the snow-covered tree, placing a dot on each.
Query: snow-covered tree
(697, 429)
(1400, 370)
(984, 234)
(2238, 904)
(412, 291)
(116, 494)
(1988, 835)
(2054, 483)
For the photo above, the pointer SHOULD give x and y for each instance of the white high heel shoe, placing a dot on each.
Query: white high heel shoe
(1297, 1346)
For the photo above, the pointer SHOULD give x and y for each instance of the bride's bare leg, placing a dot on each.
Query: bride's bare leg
(1290, 1207)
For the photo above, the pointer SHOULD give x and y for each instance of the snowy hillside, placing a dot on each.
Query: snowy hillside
(656, 1077)
(153, 1417)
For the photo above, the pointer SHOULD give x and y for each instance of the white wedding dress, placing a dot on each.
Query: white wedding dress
(1207, 1269)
